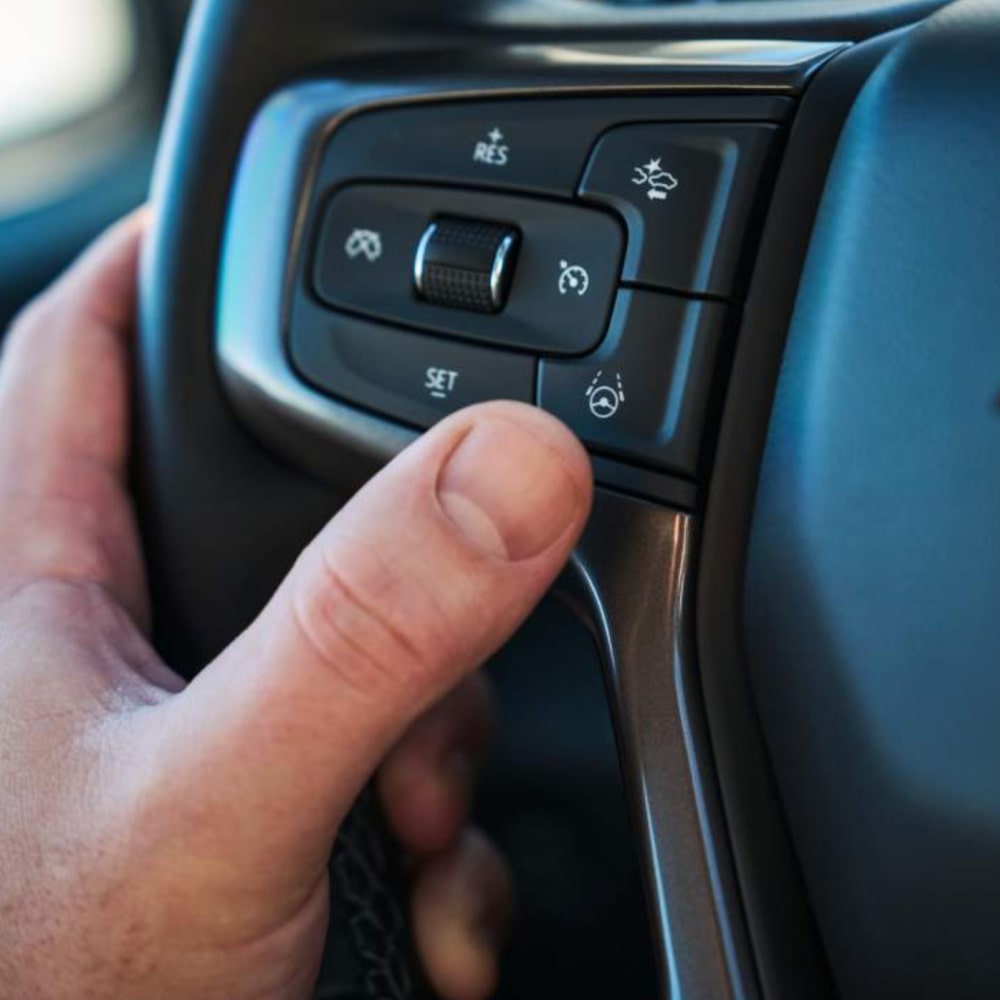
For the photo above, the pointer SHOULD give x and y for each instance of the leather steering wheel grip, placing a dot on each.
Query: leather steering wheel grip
(370, 952)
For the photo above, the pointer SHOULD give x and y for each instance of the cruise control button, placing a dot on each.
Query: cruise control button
(561, 279)
(643, 395)
(407, 376)
(686, 193)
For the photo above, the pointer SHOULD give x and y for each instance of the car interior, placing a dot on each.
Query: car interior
(747, 250)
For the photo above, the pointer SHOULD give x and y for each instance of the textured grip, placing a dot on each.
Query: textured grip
(466, 264)
(369, 952)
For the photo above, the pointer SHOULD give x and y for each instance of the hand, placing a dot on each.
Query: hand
(163, 840)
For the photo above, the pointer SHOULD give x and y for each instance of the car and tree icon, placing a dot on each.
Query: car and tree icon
(658, 182)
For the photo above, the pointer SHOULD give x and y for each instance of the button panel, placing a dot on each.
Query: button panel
(686, 193)
(552, 252)
(643, 394)
(408, 376)
(561, 288)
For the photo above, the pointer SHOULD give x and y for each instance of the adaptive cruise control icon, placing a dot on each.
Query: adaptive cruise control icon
(364, 243)
(605, 399)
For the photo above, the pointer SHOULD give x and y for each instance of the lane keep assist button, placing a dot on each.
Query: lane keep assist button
(643, 395)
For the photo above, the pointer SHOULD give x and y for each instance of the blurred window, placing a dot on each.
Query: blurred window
(71, 95)
(60, 60)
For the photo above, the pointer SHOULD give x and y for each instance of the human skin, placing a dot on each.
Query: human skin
(162, 839)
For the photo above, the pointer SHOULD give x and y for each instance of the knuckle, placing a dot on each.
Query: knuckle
(357, 629)
(79, 559)
(65, 541)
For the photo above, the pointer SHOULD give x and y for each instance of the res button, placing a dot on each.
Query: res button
(686, 193)
(536, 146)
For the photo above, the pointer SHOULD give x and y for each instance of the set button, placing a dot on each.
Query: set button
(414, 378)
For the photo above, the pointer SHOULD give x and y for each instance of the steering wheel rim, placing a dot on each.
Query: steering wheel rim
(200, 465)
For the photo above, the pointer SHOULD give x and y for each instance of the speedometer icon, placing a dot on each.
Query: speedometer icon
(573, 279)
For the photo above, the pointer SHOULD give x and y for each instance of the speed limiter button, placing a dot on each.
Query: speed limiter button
(643, 395)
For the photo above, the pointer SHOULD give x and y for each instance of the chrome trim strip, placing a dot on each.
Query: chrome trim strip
(730, 54)
(630, 582)
(421, 258)
(498, 273)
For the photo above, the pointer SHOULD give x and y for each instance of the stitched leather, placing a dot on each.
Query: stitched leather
(369, 953)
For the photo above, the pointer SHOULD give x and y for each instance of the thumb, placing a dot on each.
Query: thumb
(422, 576)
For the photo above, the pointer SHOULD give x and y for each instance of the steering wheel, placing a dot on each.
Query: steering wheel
(749, 253)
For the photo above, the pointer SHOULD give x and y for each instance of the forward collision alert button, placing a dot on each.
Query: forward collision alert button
(643, 395)
(686, 193)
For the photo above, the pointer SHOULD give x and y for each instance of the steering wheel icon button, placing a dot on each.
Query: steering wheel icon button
(605, 397)
(643, 394)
